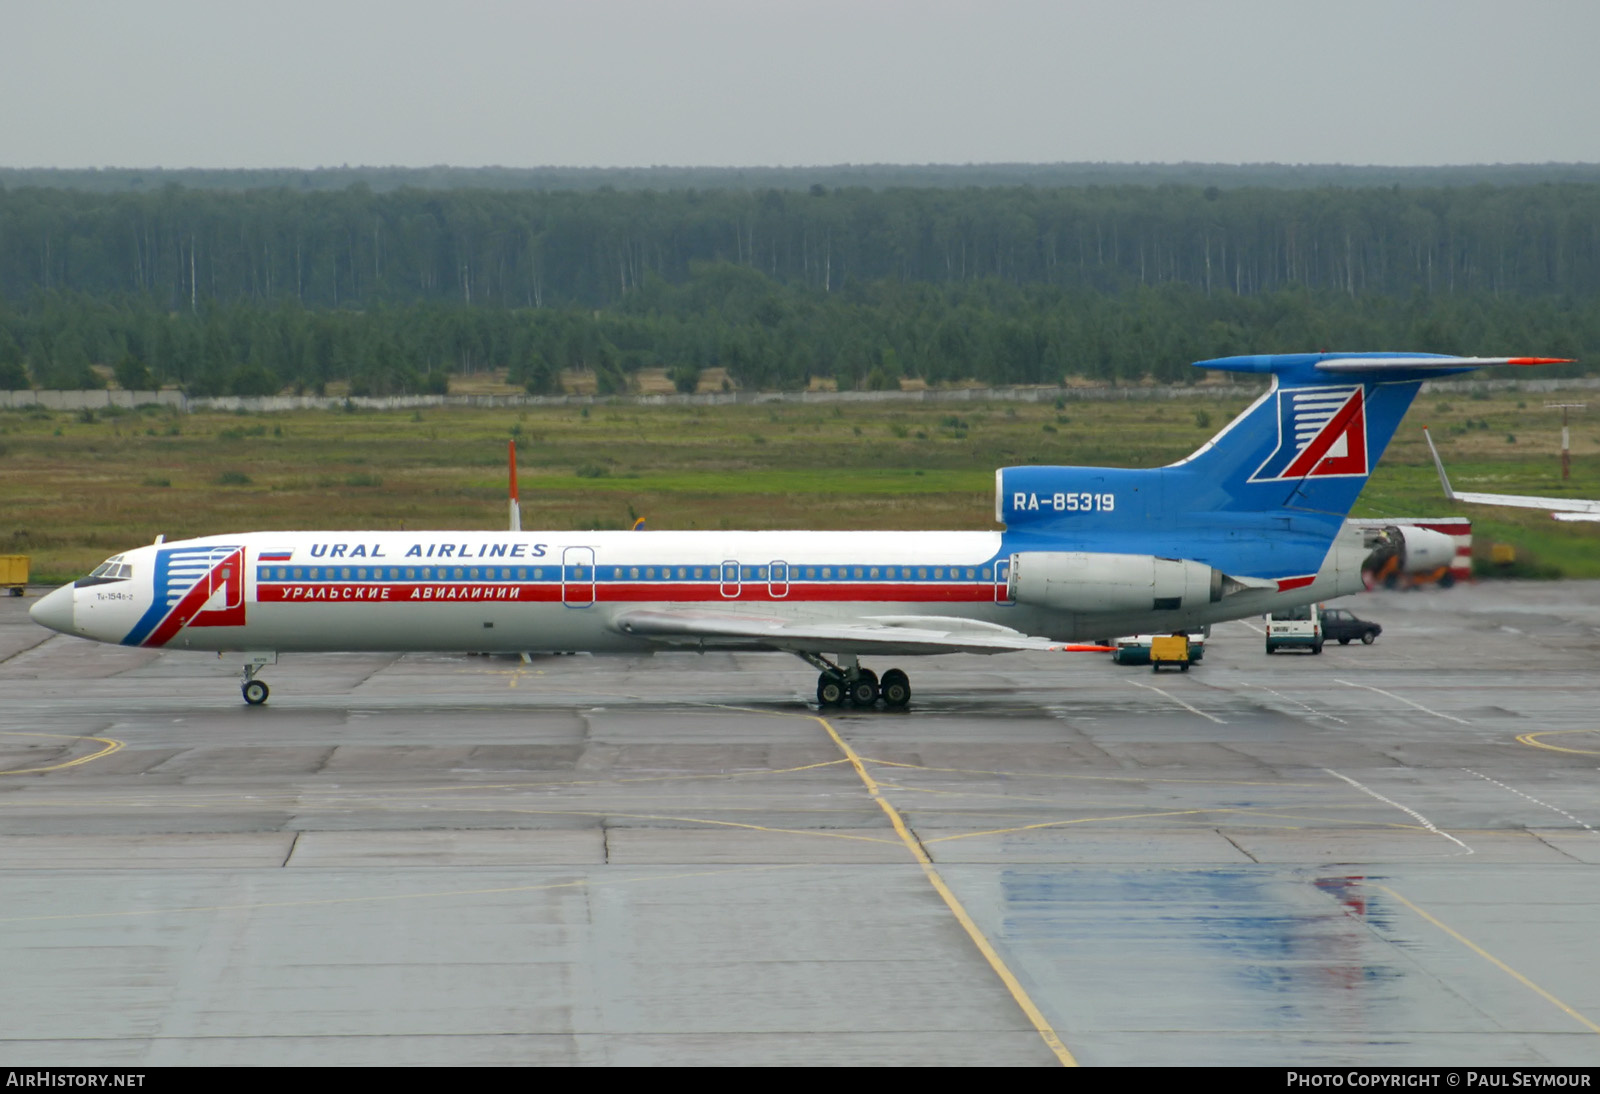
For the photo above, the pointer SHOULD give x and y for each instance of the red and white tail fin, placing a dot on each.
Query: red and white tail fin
(516, 507)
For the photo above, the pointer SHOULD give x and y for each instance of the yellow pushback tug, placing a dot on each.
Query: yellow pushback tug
(1169, 651)
(14, 573)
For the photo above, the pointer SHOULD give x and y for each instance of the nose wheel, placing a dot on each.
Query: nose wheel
(255, 691)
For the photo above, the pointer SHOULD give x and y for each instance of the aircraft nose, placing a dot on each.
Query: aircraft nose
(55, 610)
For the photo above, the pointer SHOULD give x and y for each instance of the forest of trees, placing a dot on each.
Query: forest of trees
(255, 290)
(534, 249)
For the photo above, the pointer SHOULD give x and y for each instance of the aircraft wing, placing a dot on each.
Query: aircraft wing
(1561, 508)
(869, 634)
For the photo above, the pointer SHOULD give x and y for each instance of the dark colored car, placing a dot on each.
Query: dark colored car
(1337, 623)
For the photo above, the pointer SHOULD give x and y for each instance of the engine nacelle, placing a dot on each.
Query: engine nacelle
(1082, 581)
(1413, 550)
(1425, 550)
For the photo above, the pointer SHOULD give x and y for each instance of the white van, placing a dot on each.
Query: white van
(1295, 628)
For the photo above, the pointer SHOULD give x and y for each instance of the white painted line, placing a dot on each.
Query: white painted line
(1407, 702)
(1418, 817)
(1180, 702)
(1534, 800)
(1311, 710)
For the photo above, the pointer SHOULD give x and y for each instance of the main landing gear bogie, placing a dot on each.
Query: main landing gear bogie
(860, 687)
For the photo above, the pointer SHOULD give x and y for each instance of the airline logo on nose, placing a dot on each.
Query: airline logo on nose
(1322, 433)
(195, 587)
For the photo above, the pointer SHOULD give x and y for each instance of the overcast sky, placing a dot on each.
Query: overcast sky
(308, 83)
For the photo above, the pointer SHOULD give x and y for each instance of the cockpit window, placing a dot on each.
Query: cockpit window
(113, 569)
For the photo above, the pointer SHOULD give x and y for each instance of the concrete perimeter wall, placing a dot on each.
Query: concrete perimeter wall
(91, 400)
(94, 400)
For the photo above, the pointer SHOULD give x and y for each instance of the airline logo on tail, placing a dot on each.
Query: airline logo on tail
(1322, 433)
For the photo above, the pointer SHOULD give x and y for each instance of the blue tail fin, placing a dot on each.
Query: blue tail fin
(1264, 497)
(1310, 444)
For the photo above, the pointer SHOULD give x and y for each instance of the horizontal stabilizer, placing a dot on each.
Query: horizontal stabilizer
(1376, 364)
(1428, 362)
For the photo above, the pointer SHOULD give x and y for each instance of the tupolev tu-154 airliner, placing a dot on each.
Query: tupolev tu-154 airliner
(1252, 521)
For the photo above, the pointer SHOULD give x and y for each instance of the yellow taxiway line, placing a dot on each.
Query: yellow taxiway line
(1493, 960)
(1532, 741)
(1020, 994)
(111, 745)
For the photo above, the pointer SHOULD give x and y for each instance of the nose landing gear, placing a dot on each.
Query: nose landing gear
(255, 691)
(861, 688)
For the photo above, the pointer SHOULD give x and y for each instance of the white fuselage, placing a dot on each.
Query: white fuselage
(542, 591)
(521, 591)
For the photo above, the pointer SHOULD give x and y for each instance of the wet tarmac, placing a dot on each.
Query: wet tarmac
(1380, 855)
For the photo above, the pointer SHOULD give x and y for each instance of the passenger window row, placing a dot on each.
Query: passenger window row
(617, 573)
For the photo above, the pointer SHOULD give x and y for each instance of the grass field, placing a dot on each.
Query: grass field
(75, 488)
